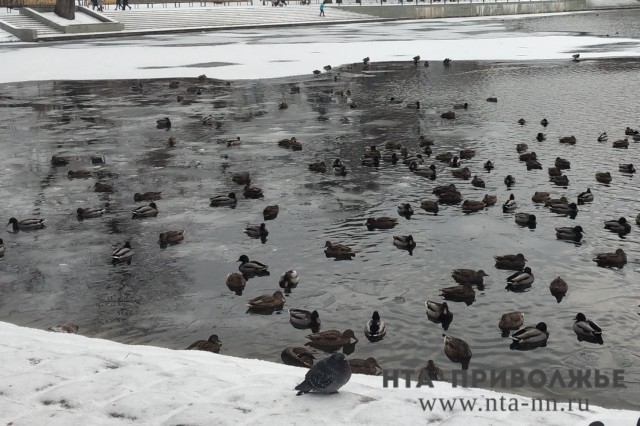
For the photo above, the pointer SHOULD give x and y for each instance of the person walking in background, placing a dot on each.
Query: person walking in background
(322, 8)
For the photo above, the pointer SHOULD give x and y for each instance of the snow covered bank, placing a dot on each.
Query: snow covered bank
(59, 379)
(254, 54)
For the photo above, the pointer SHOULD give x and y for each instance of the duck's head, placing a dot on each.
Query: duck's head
(541, 326)
(376, 316)
(232, 195)
(527, 270)
(432, 167)
(520, 256)
(127, 245)
(578, 229)
(417, 104)
(370, 221)
(430, 364)
(244, 258)
(13, 220)
(580, 317)
(512, 197)
(413, 166)
(80, 211)
(327, 244)
(350, 334)
(214, 339)
(315, 316)
(620, 252)
(262, 226)
(445, 308)
(622, 221)
(573, 206)
(278, 295)
(532, 218)
(153, 206)
(481, 273)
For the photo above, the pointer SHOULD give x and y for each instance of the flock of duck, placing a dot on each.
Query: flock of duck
(523, 337)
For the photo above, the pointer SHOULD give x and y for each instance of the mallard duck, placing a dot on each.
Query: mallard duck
(540, 197)
(461, 106)
(208, 120)
(469, 206)
(375, 329)
(569, 233)
(636, 138)
(488, 165)
(562, 163)
(587, 330)
(430, 206)
(2, 248)
(338, 251)
(382, 222)
(511, 321)
(445, 188)
(123, 254)
(603, 177)
(234, 142)
(252, 192)
(510, 205)
(410, 159)
(319, 167)
(544, 122)
(630, 132)
(147, 196)
(251, 267)
(534, 165)
(213, 344)
(455, 162)
(372, 152)
(58, 161)
(509, 180)
(527, 156)
(459, 293)
(340, 170)
(331, 339)
(446, 62)
(371, 162)
(296, 146)
(102, 187)
(416, 59)
(26, 224)
(404, 242)
(241, 178)
(452, 198)
(530, 337)
(492, 99)
(541, 137)
(467, 154)
(429, 172)
(457, 350)
(224, 200)
(490, 200)
(392, 145)
(316, 73)
(513, 262)
(521, 147)
(468, 276)
(368, 366)
(603, 137)
(267, 302)
(438, 311)
(444, 157)
(622, 143)
(297, 356)
(554, 171)
(89, 212)
(619, 226)
(236, 282)
(618, 258)
(304, 318)
(392, 157)
(145, 211)
(462, 173)
(627, 168)
(571, 140)
(289, 279)
(405, 209)
(163, 123)
(257, 231)
(78, 174)
(566, 209)
(286, 143)
(522, 122)
(283, 105)
(521, 280)
(65, 327)
(270, 212)
(477, 182)
(558, 288)
(430, 373)
(562, 180)
(555, 201)
(425, 141)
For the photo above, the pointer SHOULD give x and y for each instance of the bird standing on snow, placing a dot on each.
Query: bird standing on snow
(326, 376)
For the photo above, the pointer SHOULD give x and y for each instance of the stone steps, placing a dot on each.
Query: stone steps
(22, 21)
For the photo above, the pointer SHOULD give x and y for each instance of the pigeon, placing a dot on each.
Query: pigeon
(326, 376)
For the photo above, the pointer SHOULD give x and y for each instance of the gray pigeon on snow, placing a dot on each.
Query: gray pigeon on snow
(327, 375)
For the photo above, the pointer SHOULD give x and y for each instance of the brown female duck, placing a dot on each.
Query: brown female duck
(383, 222)
(297, 356)
(338, 251)
(331, 340)
(147, 196)
(267, 302)
(512, 262)
(213, 344)
(618, 258)
(367, 366)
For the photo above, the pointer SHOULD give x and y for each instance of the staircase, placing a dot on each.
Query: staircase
(17, 20)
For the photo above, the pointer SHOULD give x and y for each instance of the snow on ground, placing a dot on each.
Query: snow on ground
(81, 18)
(237, 55)
(59, 379)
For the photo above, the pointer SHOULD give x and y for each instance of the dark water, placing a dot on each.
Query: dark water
(171, 297)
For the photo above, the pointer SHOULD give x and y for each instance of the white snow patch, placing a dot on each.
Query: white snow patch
(81, 18)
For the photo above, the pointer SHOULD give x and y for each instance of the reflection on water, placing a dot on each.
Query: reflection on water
(173, 296)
